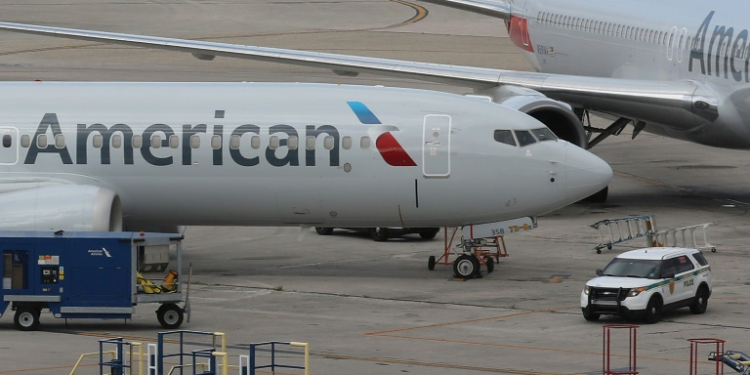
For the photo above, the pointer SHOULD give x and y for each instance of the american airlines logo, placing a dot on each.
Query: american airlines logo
(279, 155)
(100, 252)
(723, 52)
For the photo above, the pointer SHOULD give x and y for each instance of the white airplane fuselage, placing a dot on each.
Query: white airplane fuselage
(668, 40)
(78, 156)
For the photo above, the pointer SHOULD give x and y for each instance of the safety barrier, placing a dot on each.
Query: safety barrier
(252, 363)
(694, 354)
(120, 360)
(218, 345)
(607, 349)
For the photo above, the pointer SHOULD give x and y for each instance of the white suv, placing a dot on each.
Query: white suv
(645, 282)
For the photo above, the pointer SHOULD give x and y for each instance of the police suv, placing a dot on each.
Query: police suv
(644, 283)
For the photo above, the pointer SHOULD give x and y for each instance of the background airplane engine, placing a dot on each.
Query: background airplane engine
(66, 207)
(558, 116)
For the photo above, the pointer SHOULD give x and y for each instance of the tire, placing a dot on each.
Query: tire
(170, 316)
(466, 266)
(428, 233)
(598, 197)
(323, 231)
(490, 264)
(26, 319)
(653, 310)
(701, 301)
(588, 315)
(431, 263)
(379, 234)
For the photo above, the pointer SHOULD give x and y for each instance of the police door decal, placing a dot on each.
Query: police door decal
(436, 146)
(8, 145)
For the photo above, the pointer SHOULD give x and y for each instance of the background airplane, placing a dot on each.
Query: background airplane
(666, 68)
(155, 156)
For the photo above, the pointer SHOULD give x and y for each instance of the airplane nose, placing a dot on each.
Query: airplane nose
(587, 173)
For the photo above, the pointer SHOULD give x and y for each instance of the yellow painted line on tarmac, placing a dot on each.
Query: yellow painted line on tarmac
(652, 182)
(421, 13)
(43, 369)
(433, 364)
(526, 347)
(523, 313)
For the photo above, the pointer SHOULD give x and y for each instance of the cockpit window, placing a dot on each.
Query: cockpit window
(505, 136)
(524, 138)
(544, 134)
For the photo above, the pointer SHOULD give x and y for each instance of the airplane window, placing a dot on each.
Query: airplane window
(328, 142)
(292, 142)
(216, 142)
(671, 40)
(195, 141)
(155, 141)
(174, 141)
(681, 40)
(60, 141)
(255, 142)
(7, 141)
(310, 142)
(364, 143)
(346, 142)
(505, 136)
(97, 141)
(273, 143)
(234, 142)
(116, 141)
(544, 134)
(25, 140)
(137, 141)
(524, 138)
(41, 141)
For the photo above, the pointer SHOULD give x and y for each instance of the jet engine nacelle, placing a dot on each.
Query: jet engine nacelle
(558, 116)
(61, 207)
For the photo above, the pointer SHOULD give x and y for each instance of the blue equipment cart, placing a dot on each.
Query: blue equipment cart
(100, 275)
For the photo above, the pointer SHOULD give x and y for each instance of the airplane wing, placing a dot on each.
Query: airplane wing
(686, 104)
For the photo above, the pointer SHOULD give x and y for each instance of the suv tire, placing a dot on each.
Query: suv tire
(701, 301)
(588, 315)
(653, 310)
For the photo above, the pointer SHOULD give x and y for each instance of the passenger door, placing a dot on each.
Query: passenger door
(436, 146)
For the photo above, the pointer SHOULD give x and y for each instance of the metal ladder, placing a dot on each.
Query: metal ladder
(614, 231)
(685, 237)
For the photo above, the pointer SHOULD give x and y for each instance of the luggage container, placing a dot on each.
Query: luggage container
(100, 275)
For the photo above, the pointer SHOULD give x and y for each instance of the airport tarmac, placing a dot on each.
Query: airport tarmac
(374, 308)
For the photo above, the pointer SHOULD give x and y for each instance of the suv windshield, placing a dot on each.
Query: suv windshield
(633, 268)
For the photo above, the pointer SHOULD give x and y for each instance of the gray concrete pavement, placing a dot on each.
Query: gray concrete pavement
(374, 308)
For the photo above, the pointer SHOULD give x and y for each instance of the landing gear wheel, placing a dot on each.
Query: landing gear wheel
(598, 197)
(588, 315)
(170, 316)
(431, 263)
(701, 301)
(428, 233)
(323, 231)
(490, 264)
(379, 234)
(466, 266)
(26, 319)
(653, 310)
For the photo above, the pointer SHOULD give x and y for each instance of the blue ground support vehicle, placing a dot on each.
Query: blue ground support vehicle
(100, 275)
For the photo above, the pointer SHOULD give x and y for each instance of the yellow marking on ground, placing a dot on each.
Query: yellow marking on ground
(433, 364)
(420, 15)
(652, 182)
(470, 320)
(555, 279)
(525, 347)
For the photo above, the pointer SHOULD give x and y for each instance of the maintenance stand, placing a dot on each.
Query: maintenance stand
(90, 275)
